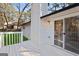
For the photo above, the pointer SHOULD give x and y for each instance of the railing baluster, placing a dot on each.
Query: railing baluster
(3, 39)
(9, 39)
(15, 38)
(12, 38)
(6, 39)
(18, 38)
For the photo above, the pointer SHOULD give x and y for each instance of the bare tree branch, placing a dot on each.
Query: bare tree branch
(22, 13)
(18, 7)
(6, 19)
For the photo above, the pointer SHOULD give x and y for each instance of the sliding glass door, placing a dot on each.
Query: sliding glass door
(66, 33)
(72, 34)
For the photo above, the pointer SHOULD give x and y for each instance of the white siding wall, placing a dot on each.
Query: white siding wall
(47, 31)
(47, 44)
(27, 30)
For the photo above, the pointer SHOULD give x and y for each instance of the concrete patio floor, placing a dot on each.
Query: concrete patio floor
(26, 49)
(45, 50)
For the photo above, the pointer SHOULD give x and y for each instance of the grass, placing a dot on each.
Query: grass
(10, 39)
(25, 38)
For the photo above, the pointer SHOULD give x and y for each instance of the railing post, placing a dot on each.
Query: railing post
(3, 39)
(21, 36)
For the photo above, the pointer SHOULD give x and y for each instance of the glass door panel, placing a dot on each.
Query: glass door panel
(72, 34)
(58, 29)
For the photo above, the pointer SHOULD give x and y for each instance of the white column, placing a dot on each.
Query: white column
(35, 25)
(1, 39)
(44, 9)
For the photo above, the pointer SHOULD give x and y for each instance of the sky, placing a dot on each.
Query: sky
(22, 5)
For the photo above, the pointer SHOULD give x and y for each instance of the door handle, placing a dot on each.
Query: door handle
(64, 33)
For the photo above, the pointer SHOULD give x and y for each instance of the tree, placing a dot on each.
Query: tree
(54, 6)
(63, 5)
(21, 12)
(6, 19)
(7, 13)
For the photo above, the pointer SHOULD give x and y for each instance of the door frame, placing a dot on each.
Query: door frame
(63, 18)
(63, 42)
(64, 33)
